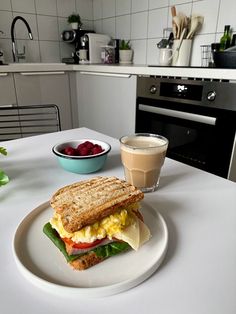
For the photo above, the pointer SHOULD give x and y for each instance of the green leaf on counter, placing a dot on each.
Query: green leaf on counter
(3, 178)
(3, 151)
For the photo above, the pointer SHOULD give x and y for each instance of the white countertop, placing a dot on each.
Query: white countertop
(134, 69)
(198, 274)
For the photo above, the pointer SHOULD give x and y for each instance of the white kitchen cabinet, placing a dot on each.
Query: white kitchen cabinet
(34, 88)
(7, 89)
(106, 102)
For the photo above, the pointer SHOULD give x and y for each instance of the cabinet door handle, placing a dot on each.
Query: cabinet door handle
(3, 74)
(106, 74)
(179, 114)
(42, 73)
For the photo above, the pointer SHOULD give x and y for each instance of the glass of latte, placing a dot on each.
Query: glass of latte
(143, 155)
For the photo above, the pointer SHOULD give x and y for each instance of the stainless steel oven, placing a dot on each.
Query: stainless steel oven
(197, 116)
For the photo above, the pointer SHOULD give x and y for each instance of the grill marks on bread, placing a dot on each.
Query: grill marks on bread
(83, 203)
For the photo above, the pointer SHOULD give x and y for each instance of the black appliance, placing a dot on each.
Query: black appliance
(74, 37)
(197, 116)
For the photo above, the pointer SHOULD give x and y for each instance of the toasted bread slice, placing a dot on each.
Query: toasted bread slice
(83, 203)
(88, 260)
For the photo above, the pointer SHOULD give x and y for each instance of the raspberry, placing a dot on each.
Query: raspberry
(84, 151)
(97, 149)
(80, 146)
(69, 151)
(88, 144)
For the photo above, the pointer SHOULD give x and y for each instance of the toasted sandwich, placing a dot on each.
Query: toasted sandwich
(96, 219)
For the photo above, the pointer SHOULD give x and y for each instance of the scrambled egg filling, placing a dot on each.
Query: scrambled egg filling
(106, 227)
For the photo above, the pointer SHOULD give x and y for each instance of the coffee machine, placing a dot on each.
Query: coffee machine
(73, 37)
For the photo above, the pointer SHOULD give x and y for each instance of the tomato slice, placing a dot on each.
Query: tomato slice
(82, 245)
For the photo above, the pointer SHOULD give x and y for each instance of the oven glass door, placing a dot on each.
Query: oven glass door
(194, 139)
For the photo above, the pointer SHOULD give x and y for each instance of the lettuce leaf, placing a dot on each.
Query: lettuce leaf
(104, 251)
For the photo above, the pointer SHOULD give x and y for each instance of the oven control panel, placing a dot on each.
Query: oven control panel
(206, 93)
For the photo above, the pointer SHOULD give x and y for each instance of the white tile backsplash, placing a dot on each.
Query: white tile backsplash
(48, 28)
(227, 15)
(157, 22)
(123, 7)
(108, 8)
(152, 51)
(46, 7)
(98, 26)
(108, 27)
(156, 4)
(50, 51)
(142, 21)
(5, 24)
(148, 19)
(123, 27)
(5, 5)
(47, 19)
(65, 8)
(139, 5)
(139, 46)
(26, 6)
(210, 13)
(139, 25)
(97, 9)
(85, 9)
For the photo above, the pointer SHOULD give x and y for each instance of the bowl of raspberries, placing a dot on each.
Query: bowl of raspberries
(82, 156)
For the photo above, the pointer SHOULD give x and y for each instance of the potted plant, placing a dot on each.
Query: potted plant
(125, 51)
(74, 20)
(3, 177)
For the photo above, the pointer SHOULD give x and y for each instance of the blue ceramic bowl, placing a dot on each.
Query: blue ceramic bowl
(81, 164)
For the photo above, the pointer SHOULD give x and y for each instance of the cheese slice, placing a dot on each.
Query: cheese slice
(135, 235)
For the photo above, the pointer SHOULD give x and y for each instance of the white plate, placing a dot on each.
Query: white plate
(45, 266)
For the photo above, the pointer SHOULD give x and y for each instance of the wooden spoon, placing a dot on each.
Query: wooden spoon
(173, 13)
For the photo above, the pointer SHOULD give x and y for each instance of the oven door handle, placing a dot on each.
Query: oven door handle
(178, 114)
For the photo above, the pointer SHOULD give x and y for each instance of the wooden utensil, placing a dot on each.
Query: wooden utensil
(196, 23)
(174, 27)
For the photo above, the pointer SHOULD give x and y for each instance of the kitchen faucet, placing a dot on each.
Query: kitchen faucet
(15, 53)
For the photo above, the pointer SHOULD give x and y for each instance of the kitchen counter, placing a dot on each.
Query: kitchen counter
(198, 273)
(196, 72)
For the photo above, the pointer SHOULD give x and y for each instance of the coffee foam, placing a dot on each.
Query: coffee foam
(144, 145)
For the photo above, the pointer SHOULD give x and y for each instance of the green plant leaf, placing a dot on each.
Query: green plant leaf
(74, 18)
(3, 178)
(3, 151)
(125, 45)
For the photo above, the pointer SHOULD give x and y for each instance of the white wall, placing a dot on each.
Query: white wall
(142, 21)
(47, 19)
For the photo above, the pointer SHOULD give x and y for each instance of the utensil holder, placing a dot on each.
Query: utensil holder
(182, 56)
